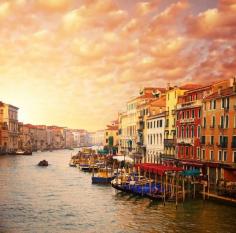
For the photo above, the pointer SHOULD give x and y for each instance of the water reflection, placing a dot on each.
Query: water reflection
(61, 199)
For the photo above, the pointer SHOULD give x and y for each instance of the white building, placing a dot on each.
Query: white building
(155, 136)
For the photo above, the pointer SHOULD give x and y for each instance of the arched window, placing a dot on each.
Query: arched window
(157, 139)
(182, 132)
(192, 131)
(187, 132)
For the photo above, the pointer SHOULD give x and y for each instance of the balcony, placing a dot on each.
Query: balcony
(169, 142)
(233, 145)
(212, 126)
(189, 141)
(186, 120)
(222, 145)
(210, 144)
(195, 103)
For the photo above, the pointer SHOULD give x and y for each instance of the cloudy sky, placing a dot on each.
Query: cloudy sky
(75, 63)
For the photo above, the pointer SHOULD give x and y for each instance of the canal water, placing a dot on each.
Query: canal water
(59, 198)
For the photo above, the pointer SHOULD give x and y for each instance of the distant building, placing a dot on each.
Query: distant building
(9, 127)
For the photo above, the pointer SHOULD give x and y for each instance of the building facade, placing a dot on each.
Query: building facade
(155, 135)
(218, 139)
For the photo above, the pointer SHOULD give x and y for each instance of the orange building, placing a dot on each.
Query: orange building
(218, 136)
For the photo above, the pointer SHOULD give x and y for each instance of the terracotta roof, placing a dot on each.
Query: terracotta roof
(222, 93)
(161, 102)
(112, 127)
(190, 86)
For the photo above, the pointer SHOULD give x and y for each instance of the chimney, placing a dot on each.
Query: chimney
(234, 84)
(168, 86)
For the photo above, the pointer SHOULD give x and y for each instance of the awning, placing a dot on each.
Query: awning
(157, 168)
(120, 158)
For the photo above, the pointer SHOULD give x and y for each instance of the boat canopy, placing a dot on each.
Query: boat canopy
(120, 158)
(194, 172)
(157, 168)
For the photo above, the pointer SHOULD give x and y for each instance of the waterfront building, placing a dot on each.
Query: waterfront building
(68, 138)
(132, 124)
(4, 137)
(155, 135)
(9, 127)
(58, 139)
(218, 139)
(111, 139)
(188, 124)
(172, 96)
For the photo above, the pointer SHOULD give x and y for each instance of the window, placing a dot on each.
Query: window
(192, 113)
(204, 122)
(211, 155)
(234, 142)
(151, 124)
(225, 103)
(224, 141)
(187, 132)
(157, 124)
(192, 131)
(154, 124)
(187, 152)
(183, 115)
(154, 139)
(213, 121)
(225, 156)
(222, 122)
(214, 104)
(148, 125)
(203, 154)
(151, 139)
(187, 114)
(198, 131)
(160, 123)
(157, 139)
(226, 121)
(212, 140)
(203, 140)
(234, 156)
(220, 155)
(167, 122)
(182, 132)
(198, 152)
(199, 113)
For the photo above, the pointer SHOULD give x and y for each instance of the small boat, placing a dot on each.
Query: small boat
(104, 176)
(84, 167)
(20, 152)
(43, 163)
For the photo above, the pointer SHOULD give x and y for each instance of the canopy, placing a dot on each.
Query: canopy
(194, 172)
(120, 158)
(157, 168)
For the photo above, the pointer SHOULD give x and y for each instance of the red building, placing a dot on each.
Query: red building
(188, 124)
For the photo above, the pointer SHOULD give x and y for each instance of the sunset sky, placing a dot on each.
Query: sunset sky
(75, 63)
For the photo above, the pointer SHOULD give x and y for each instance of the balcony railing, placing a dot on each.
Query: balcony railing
(169, 142)
(233, 145)
(186, 120)
(222, 145)
(185, 140)
(194, 103)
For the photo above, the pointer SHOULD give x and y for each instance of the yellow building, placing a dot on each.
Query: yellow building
(9, 115)
(132, 124)
(111, 139)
